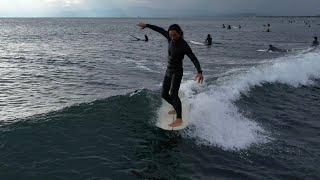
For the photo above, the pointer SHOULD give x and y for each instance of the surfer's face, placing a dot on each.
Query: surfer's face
(174, 35)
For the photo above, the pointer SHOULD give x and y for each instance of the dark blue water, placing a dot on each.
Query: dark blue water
(79, 100)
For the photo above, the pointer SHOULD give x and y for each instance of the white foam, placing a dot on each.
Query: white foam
(291, 70)
(215, 120)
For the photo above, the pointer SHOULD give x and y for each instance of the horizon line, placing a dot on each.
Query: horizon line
(159, 17)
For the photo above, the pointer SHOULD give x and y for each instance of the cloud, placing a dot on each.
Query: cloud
(63, 3)
(156, 7)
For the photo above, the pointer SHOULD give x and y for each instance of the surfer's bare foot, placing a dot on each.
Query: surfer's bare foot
(176, 123)
(172, 112)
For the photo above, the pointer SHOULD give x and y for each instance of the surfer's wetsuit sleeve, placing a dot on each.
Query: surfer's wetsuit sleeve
(159, 30)
(193, 58)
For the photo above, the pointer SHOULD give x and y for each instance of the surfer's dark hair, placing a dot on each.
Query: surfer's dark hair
(177, 28)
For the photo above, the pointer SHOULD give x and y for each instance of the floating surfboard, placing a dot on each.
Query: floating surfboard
(197, 43)
(164, 119)
(138, 39)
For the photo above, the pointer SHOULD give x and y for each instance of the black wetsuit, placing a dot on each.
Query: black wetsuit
(174, 72)
(315, 43)
(146, 39)
(209, 41)
(274, 49)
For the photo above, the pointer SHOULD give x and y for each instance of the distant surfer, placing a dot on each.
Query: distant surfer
(268, 30)
(223, 26)
(315, 42)
(275, 49)
(177, 48)
(229, 27)
(146, 39)
(209, 40)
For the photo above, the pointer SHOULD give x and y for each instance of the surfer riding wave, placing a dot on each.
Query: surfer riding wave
(178, 47)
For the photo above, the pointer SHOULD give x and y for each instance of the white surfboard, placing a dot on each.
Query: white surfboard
(197, 43)
(164, 119)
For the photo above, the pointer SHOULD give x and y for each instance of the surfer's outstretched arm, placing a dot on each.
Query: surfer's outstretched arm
(155, 28)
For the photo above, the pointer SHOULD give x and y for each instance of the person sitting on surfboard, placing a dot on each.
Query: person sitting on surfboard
(315, 42)
(208, 40)
(177, 48)
(146, 39)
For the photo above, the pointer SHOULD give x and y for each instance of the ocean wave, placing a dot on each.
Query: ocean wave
(215, 118)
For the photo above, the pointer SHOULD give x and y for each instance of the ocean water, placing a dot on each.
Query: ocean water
(79, 100)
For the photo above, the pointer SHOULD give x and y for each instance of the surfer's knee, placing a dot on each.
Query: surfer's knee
(175, 98)
(174, 94)
(164, 94)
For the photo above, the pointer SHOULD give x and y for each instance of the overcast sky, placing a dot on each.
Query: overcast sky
(153, 8)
